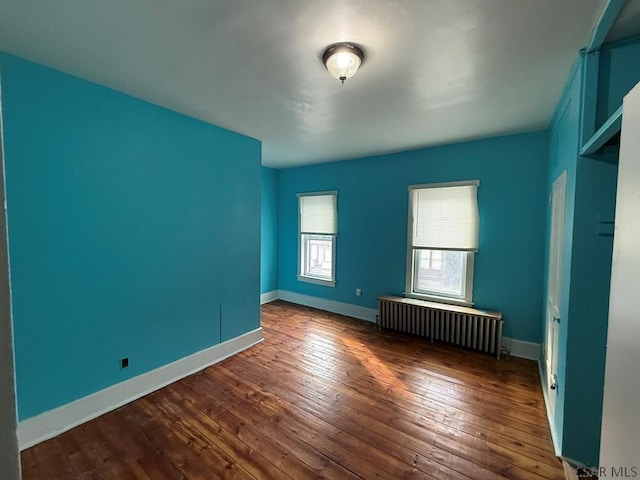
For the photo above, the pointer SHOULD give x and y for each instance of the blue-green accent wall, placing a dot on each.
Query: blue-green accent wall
(372, 222)
(132, 232)
(269, 243)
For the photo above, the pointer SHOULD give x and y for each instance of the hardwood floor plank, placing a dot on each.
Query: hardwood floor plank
(270, 447)
(419, 429)
(419, 375)
(531, 425)
(251, 460)
(324, 396)
(30, 469)
(187, 448)
(250, 410)
(390, 414)
(52, 461)
(83, 451)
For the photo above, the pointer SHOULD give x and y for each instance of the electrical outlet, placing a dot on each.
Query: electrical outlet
(124, 363)
(358, 292)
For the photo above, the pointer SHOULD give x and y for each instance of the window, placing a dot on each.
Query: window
(317, 244)
(442, 239)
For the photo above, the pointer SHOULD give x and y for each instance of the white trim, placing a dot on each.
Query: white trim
(316, 281)
(543, 385)
(347, 309)
(268, 297)
(522, 349)
(54, 422)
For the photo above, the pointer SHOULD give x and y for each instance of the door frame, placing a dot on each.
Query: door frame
(9, 450)
(554, 290)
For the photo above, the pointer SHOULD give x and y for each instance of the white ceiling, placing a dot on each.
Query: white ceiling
(437, 71)
(627, 23)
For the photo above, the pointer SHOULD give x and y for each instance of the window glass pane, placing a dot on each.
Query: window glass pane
(318, 261)
(440, 272)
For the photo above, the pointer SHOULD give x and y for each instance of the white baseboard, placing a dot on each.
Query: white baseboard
(54, 422)
(522, 349)
(268, 297)
(341, 308)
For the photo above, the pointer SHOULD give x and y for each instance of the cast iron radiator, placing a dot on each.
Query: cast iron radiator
(463, 326)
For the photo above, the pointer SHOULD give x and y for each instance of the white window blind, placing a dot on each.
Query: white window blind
(318, 213)
(445, 216)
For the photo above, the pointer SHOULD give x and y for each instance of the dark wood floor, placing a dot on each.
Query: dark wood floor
(322, 396)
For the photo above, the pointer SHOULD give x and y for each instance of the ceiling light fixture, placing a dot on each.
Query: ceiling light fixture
(342, 60)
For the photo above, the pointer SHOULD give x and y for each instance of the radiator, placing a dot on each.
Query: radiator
(466, 327)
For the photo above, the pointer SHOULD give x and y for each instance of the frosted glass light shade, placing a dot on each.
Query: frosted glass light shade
(343, 60)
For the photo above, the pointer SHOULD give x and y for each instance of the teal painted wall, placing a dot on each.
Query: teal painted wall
(269, 231)
(372, 222)
(619, 71)
(588, 308)
(591, 190)
(130, 226)
(563, 156)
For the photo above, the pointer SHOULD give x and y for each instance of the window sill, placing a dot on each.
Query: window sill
(317, 281)
(435, 298)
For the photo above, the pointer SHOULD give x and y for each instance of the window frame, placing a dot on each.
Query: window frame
(466, 299)
(303, 242)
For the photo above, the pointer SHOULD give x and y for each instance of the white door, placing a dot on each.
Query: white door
(554, 291)
(620, 440)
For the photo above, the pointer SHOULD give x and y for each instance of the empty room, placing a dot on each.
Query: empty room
(319, 239)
